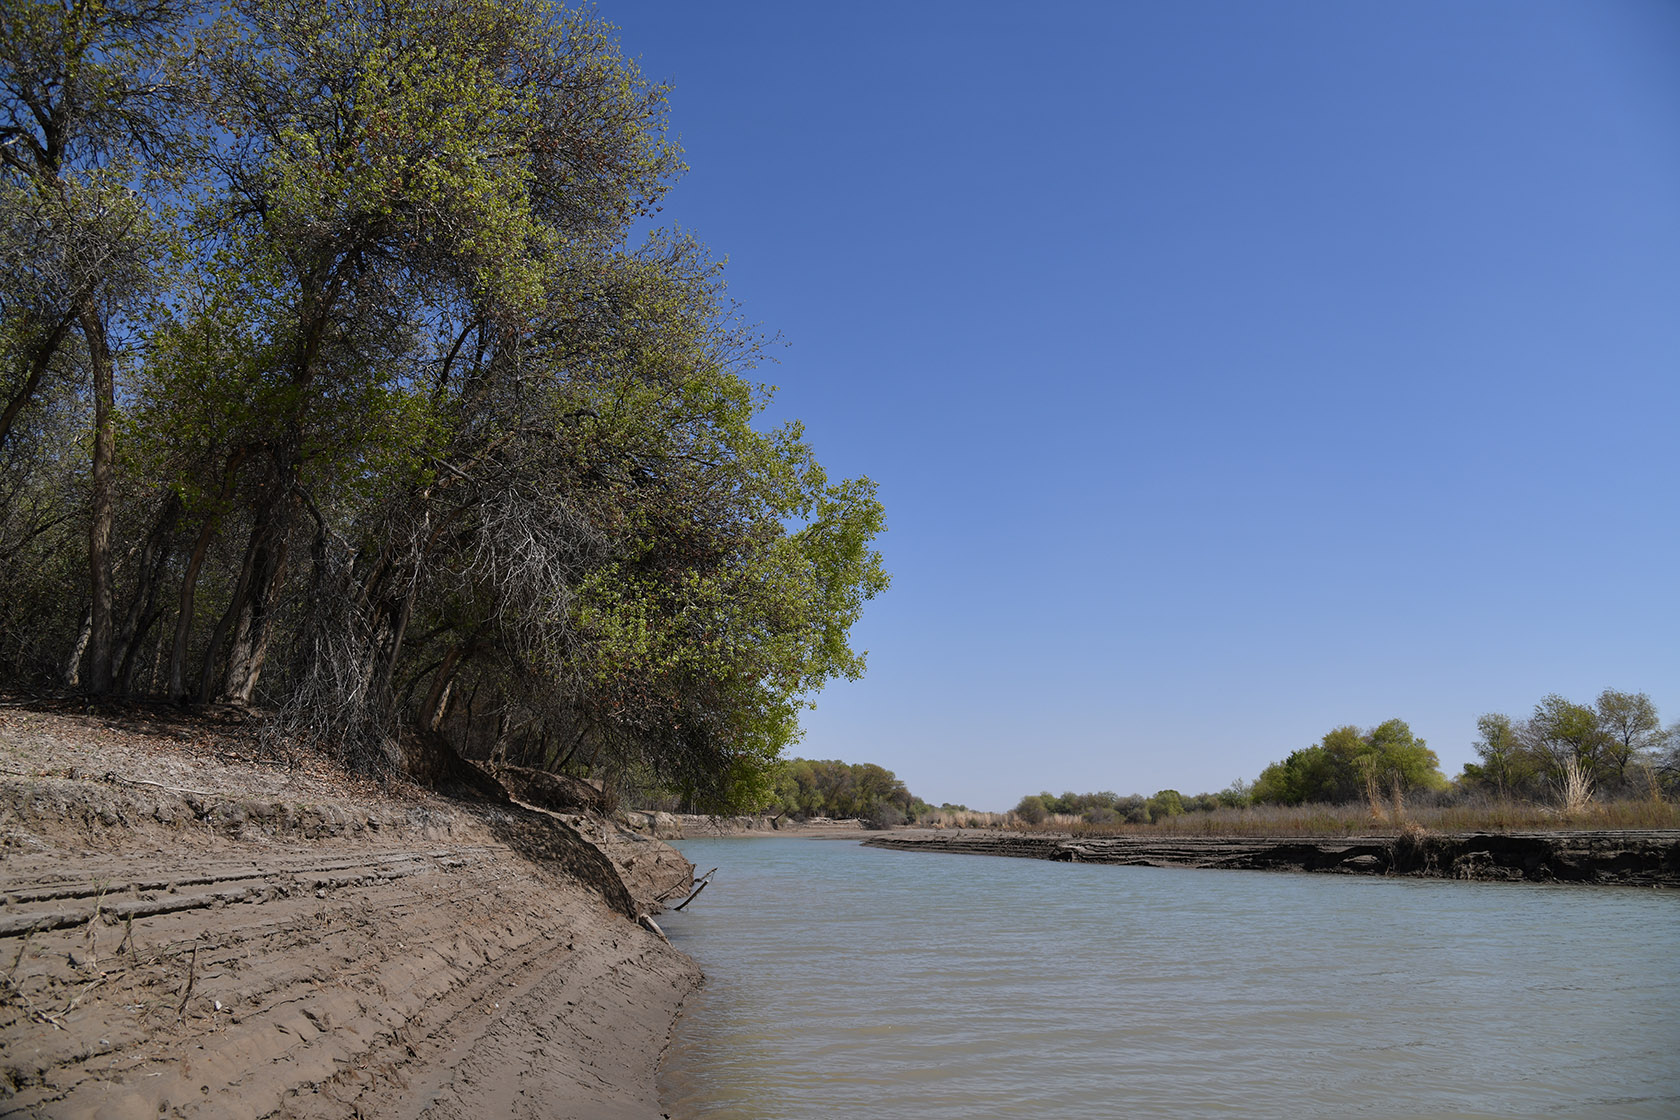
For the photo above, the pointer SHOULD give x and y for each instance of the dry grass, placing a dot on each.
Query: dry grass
(1358, 817)
(1577, 789)
(966, 818)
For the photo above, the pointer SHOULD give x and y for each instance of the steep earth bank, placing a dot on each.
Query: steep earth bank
(1650, 858)
(194, 927)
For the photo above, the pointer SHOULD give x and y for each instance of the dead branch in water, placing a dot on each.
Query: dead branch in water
(699, 885)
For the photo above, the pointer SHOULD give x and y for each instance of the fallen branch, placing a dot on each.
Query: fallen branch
(192, 977)
(700, 884)
(691, 884)
(159, 785)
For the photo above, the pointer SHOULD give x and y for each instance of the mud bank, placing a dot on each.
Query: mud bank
(1634, 858)
(188, 932)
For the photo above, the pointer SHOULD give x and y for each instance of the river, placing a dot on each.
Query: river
(850, 981)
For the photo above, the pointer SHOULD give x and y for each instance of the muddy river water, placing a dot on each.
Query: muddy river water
(849, 981)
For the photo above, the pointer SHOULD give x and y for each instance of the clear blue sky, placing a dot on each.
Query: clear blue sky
(1230, 371)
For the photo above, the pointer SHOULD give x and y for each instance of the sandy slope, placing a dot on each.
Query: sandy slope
(272, 941)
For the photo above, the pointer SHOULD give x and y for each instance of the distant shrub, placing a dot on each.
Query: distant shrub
(884, 814)
(1031, 809)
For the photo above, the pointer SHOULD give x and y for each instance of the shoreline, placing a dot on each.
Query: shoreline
(1633, 858)
(187, 931)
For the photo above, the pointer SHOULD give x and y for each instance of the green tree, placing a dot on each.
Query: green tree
(419, 449)
(1398, 756)
(83, 118)
(1631, 731)
(1238, 795)
(1560, 733)
(1667, 762)
(831, 788)
(1031, 809)
(1166, 803)
(1310, 774)
(1348, 761)
(1504, 767)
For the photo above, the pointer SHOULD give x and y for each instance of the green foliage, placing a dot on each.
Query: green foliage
(1506, 766)
(1620, 741)
(1166, 803)
(1239, 794)
(808, 788)
(1561, 731)
(1347, 762)
(1031, 809)
(1632, 733)
(1617, 745)
(418, 449)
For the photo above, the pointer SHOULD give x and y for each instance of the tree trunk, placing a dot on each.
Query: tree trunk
(431, 714)
(73, 664)
(157, 663)
(142, 608)
(177, 686)
(393, 650)
(176, 689)
(212, 652)
(101, 638)
(254, 610)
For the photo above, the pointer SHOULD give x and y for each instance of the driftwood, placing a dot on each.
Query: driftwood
(699, 885)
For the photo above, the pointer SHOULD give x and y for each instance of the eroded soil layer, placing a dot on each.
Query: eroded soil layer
(1649, 858)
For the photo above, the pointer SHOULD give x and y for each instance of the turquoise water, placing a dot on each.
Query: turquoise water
(849, 981)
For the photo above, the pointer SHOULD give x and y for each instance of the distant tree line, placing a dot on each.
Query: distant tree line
(1616, 747)
(806, 788)
(1113, 808)
(330, 382)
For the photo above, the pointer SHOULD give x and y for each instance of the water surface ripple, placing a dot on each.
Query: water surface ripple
(849, 981)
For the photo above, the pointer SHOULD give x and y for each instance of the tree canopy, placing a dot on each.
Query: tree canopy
(1349, 763)
(1616, 744)
(806, 788)
(364, 407)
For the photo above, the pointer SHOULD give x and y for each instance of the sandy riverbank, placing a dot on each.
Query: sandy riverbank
(191, 930)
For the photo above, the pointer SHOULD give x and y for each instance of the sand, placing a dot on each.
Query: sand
(189, 929)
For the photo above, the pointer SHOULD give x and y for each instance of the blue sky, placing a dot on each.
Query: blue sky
(1229, 371)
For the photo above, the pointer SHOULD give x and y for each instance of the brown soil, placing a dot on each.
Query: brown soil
(193, 926)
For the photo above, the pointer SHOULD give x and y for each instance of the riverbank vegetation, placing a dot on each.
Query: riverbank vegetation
(1608, 765)
(806, 788)
(332, 385)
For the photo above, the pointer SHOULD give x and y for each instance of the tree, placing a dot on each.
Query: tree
(1347, 762)
(419, 450)
(1310, 774)
(1504, 766)
(1398, 757)
(1667, 764)
(1166, 803)
(392, 172)
(1560, 733)
(83, 118)
(807, 788)
(1031, 809)
(1631, 731)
